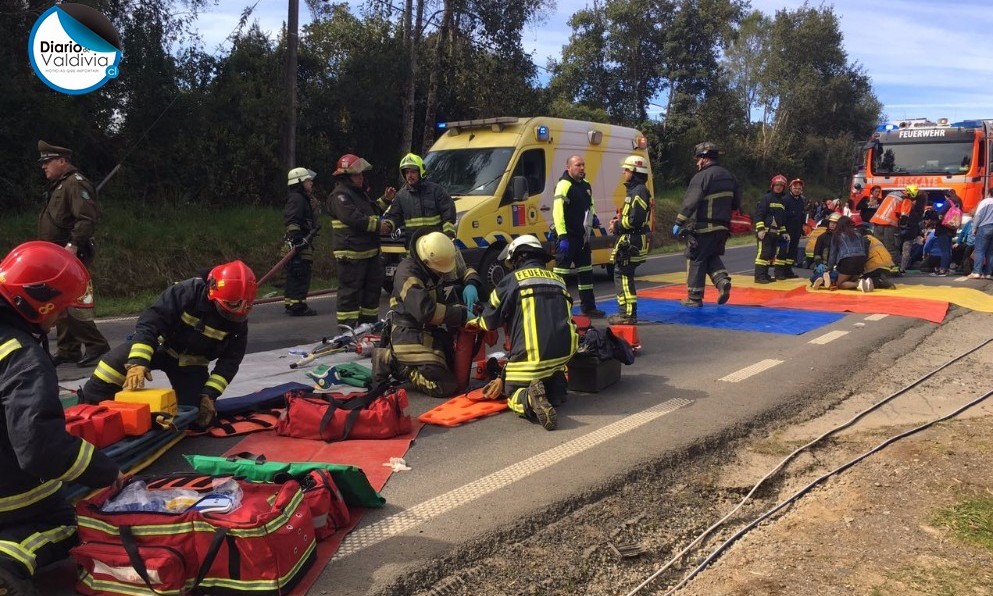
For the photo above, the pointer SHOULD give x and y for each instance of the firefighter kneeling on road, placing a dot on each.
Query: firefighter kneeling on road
(535, 307)
(38, 282)
(426, 312)
(191, 323)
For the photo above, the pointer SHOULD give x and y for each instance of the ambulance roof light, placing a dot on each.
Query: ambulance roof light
(595, 137)
(542, 134)
(494, 124)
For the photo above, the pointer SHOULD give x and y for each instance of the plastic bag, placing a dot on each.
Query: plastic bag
(137, 497)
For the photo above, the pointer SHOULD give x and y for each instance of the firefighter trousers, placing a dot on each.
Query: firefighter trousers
(187, 379)
(298, 274)
(578, 257)
(766, 249)
(27, 545)
(704, 259)
(517, 393)
(360, 281)
(75, 335)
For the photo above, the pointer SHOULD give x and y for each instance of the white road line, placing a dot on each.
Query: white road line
(828, 337)
(432, 508)
(876, 317)
(749, 371)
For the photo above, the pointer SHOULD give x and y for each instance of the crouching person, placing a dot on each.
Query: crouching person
(423, 321)
(535, 307)
(191, 324)
(38, 282)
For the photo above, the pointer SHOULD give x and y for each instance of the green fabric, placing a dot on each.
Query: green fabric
(354, 374)
(351, 480)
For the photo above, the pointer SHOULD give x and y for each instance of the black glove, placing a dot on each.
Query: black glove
(298, 242)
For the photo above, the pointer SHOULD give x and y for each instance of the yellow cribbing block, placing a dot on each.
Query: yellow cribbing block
(158, 400)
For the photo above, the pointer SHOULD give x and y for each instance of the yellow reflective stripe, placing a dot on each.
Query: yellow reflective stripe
(448, 227)
(439, 314)
(217, 382)
(530, 325)
(189, 319)
(16, 551)
(370, 311)
(417, 354)
(54, 535)
(9, 346)
(420, 222)
(373, 224)
(107, 374)
(355, 255)
(214, 333)
(113, 587)
(338, 225)
(347, 315)
(525, 372)
(410, 282)
(141, 351)
(22, 500)
(83, 459)
(558, 206)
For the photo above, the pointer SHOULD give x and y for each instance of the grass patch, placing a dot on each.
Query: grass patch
(940, 580)
(970, 521)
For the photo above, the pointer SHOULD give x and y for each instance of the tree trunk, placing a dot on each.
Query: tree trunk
(431, 103)
(410, 35)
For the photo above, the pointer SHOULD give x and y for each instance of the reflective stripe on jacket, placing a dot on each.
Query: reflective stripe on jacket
(427, 205)
(355, 223)
(712, 194)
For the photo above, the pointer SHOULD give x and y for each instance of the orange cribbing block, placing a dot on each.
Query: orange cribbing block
(628, 333)
(582, 324)
(137, 417)
(463, 409)
(95, 424)
(158, 400)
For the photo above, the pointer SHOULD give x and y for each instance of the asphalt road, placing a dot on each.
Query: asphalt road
(690, 385)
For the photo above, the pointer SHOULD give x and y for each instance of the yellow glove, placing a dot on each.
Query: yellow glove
(207, 412)
(136, 377)
(493, 389)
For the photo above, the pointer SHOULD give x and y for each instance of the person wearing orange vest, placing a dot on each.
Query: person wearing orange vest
(886, 221)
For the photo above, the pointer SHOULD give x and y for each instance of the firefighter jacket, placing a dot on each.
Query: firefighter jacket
(355, 221)
(185, 324)
(424, 205)
(633, 225)
(822, 246)
(572, 209)
(795, 212)
(535, 306)
(36, 453)
(770, 212)
(300, 218)
(70, 213)
(424, 311)
(713, 193)
(877, 256)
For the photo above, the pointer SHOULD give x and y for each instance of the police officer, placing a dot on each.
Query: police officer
(300, 219)
(424, 319)
(534, 305)
(38, 281)
(631, 249)
(770, 222)
(69, 219)
(191, 324)
(574, 215)
(795, 207)
(705, 221)
(356, 223)
(419, 204)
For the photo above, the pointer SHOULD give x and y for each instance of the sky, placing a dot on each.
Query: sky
(925, 58)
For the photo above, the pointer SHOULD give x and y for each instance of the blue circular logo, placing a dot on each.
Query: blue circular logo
(74, 49)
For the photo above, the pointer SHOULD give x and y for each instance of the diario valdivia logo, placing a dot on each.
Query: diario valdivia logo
(74, 49)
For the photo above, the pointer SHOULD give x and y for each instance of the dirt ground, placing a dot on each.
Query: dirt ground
(875, 528)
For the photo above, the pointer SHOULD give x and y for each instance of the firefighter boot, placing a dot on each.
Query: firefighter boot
(723, 290)
(539, 405)
(789, 272)
(762, 274)
(382, 366)
(780, 272)
(15, 585)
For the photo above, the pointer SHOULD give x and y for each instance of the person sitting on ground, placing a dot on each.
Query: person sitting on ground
(847, 255)
(820, 253)
(534, 306)
(910, 235)
(191, 324)
(962, 247)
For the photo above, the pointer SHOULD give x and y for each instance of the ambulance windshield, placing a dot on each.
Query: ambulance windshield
(468, 172)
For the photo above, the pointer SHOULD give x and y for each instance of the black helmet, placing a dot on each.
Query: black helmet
(706, 149)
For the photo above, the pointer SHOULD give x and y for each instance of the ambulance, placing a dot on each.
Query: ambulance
(502, 173)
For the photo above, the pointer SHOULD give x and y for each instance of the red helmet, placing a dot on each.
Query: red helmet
(232, 288)
(41, 279)
(351, 164)
(778, 179)
(796, 181)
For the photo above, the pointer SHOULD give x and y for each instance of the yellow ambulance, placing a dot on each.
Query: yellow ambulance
(502, 173)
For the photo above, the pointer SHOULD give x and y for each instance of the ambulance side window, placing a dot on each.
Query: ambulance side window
(531, 165)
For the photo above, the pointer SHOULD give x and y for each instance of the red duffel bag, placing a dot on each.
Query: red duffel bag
(379, 414)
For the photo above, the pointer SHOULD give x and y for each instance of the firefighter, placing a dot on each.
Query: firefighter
(419, 204)
(356, 221)
(705, 221)
(631, 249)
(796, 214)
(534, 306)
(191, 324)
(38, 282)
(770, 219)
(574, 216)
(423, 318)
(300, 219)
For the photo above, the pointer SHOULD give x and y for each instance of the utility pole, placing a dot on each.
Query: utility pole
(292, 45)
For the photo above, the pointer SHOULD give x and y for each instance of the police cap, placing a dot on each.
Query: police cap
(48, 152)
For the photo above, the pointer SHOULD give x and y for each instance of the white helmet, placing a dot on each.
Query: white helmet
(635, 163)
(526, 242)
(438, 252)
(298, 175)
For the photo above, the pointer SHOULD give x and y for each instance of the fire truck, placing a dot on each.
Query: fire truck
(936, 156)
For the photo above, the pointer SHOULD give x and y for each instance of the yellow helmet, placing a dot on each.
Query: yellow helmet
(438, 252)
(912, 190)
(411, 161)
(635, 163)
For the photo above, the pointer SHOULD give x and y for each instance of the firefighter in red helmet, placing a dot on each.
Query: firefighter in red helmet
(38, 282)
(770, 224)
(193, 323)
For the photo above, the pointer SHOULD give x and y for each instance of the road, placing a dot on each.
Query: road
(689, 385)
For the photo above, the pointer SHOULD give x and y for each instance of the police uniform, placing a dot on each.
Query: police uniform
(425, 205)
(572, 209)
(299, 217)
(535, 306)
(37, 455)
(770, 217)
(70, 217)
(712, 194)
(631, 249)
(355, 243)
(426, 311)
(180, 334)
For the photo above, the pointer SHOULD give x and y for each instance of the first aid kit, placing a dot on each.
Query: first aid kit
(378, 414)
